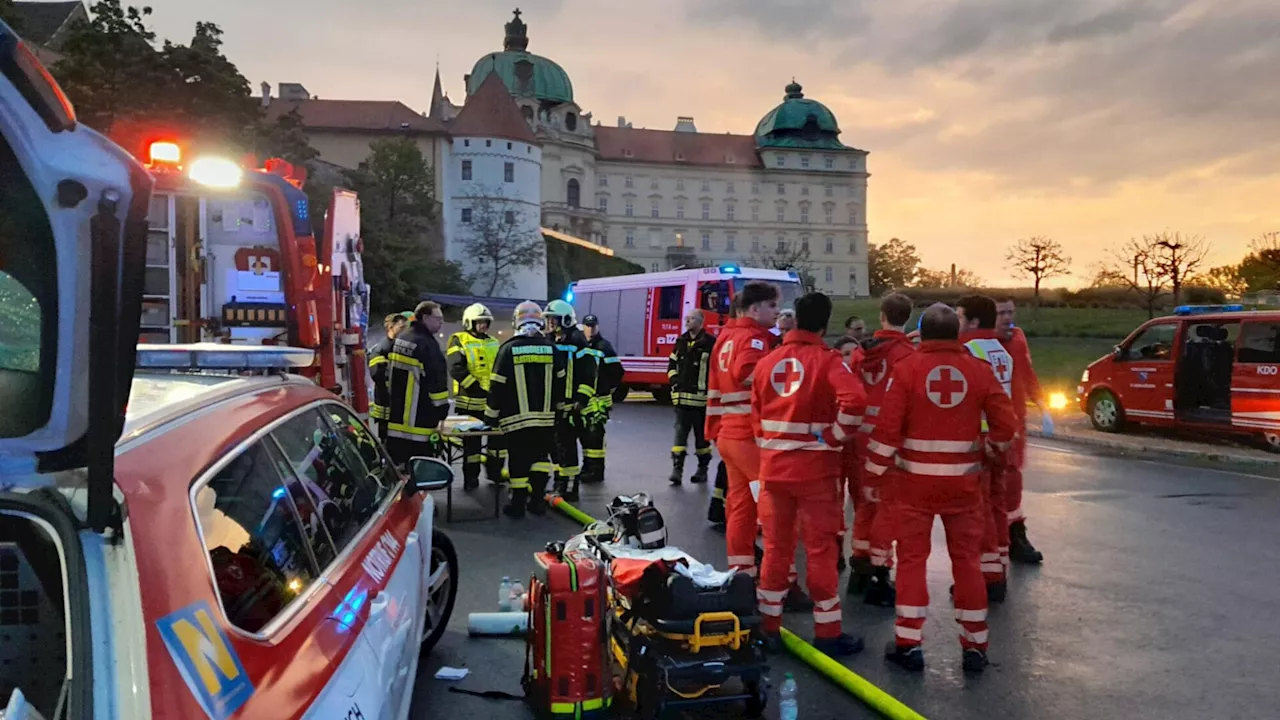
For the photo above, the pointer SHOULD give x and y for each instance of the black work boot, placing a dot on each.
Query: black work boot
(537, 505)
(996, 591)
(908, 658)
(1020, 548)
(568, 489)
(700, 475)
(797, 600)
(677, 469)
(470, 476)
(860, 575)
(515, 508)
(715, 511)
(495, 472)
(975, 660)
(880, 591)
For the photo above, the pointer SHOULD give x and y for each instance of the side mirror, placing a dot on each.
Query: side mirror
(428, 473)
(1118, 352)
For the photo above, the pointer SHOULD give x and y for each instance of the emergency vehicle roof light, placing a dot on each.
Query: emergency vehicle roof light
(213, 356)
(164, 153)
(730, 269)
(215, 172)
(1205, 309)
(568, 295)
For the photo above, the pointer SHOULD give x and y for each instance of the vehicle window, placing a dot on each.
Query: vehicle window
(261, 560)
(788, 292)
(1215, 334)
(333, 475)
(353, 434)
(670, 302)
(1154, 343)
(715, 297)
(28, 303)
(1260, 343)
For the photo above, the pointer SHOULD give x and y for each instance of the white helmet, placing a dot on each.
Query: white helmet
(474, 314)
(527, 313)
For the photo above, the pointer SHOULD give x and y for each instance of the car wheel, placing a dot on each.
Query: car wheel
(662, 395)
(1271, 442)
(442, 589)
(1105, 411)
(620, 394)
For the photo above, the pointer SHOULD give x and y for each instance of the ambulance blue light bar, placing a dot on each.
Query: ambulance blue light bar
(1206, 309)
(213, 356)
(730, 269)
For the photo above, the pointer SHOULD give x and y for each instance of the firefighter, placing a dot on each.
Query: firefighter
(687, 368)
(977, 317)
(596, 417)
(872, 525)
(579, 389)
(1026, 387)
(419, 382)
(930, 428)
(805, 404)
(380, 410)
(471, 355)
(527, 381)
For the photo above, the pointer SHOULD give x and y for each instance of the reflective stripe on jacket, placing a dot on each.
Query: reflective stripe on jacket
(419, 389)
(741, 344)
(471, 359)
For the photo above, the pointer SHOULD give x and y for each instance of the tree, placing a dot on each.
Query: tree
(284, 138)
(1177, 258)
(786, 256)
(964, 278)
(1260, 269)
(1038, 258)
(501, 238)
(1226, 278)
(1136, 265)
(891, 265)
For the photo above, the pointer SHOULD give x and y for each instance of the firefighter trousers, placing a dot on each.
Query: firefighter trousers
(565, 452)
(964, 530)
(995, 537)
(475, 454)
(594, 448)
(691, 419)
(813, 506)
(530, 461)
(742, 466)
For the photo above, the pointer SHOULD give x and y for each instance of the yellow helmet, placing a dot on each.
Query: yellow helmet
(562, 310)
(474, 314)
(527, 313)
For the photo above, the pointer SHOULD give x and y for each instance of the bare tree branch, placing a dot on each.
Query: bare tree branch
(788, 256)
(1178, 257)
(1136, 265)
(498, 239)
(1039, 258)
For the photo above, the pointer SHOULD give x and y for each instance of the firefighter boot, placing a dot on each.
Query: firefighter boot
(1020, 548)
(975, 660)
(495, 472)
(515, 508)
(677, 468)
(700, 475)
(908, 658)
(880, 591)
(797, 599)
(859, 575)
(470, 476)
(537, 505)
(567, 489)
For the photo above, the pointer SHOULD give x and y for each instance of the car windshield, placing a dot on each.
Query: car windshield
(791, 291)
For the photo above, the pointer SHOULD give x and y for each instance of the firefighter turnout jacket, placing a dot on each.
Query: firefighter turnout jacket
(608, 369)
(379, 365)
(526, 385)
(580, 368)
(688, 368)
(419, 389)
(471, 359)
(803, 397)
(741, 344)
(930, 426)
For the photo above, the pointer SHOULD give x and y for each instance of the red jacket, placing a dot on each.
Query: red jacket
(741, 344)
(1026, 386)
(930, 426)
(884, 351)
(805, 404)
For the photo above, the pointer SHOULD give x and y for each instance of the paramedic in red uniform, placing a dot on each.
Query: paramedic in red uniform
(873, 533)
(930, 428)
(1026, 387)
(851, 465)
(805, 404)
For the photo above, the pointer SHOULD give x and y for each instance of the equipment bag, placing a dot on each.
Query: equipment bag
(568, 672)
(637, 523)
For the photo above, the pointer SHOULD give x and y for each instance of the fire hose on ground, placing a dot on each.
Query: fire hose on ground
(875, 698)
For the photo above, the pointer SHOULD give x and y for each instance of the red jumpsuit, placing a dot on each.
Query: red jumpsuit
(872, 525)
(740, 345)
(930, 427)
(995, 547)
(1026, 387)
(805, 403)
(851, 464)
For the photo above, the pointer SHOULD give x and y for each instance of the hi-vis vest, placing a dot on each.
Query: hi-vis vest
(479, 354)
(992, 352)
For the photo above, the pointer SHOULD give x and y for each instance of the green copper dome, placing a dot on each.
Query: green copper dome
(799, 123)
(524, 74)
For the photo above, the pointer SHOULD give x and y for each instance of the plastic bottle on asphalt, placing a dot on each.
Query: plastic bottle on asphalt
(504, 594)
(788, 704)
(517, 596)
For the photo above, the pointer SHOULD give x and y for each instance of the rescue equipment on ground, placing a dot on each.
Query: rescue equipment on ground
(636, 522)
(514, 623)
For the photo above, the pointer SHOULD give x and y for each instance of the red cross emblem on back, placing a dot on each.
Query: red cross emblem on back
(786, 377)
(946, 386)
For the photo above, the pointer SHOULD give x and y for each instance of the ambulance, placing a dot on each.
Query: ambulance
(643, 315)
(1207, 368)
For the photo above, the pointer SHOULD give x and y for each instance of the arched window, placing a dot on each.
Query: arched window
(527, 112)
(570, 122)
(574, 193)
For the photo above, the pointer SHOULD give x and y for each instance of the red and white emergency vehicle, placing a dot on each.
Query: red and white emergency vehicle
(183, 541)
(1207, 368)
(643, 315)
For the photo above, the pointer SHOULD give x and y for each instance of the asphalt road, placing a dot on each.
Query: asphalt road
(1157, 598)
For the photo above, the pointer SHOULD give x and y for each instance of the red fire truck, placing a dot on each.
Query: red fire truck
(233, 256)
(643, 315)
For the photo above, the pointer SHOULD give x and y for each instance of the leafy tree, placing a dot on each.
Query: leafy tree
(964, 278)
(285, 138)
(1260, 269)
(891, 265)
(1226, 278)
(1038, 258)
(499, 240)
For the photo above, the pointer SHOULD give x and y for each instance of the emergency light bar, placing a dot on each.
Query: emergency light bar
(212, 356)
(730, 270)
(1206, 309)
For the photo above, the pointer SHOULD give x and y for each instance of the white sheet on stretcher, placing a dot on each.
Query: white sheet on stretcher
(701, 574)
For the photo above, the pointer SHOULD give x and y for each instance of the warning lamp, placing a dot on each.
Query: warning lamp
(165, 153)
(215, 172)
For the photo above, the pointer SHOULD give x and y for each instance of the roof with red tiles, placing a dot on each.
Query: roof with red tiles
(356, 115)
(668, 146)
(491, 112)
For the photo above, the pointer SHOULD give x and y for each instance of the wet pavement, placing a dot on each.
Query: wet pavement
(1157, 598)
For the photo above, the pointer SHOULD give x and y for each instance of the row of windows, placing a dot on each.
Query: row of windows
(730, 186)
(508, 216)
(657, 239)
(730, 211)
(508, 171)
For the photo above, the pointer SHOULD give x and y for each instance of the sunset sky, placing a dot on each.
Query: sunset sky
(987, 120)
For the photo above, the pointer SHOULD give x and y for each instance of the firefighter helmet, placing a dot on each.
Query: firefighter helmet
(474, 314)
(562, 310)
(527, 313)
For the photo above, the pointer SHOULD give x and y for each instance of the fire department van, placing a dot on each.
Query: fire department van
(643, 315)
(1210, 368)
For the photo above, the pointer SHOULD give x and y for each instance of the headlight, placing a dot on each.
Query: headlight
(1084, 378)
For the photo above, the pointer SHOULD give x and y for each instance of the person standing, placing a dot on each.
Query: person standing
(596, 416)
(855, 329)
(579, 389)
(716, 508)
(930, 428)
(528, 378)
(380, 408)
(786, 323)
(419, 387)
(688, 368)
(471, 355)
(805, 404)
(1026, 386)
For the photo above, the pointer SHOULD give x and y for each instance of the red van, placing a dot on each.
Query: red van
(1214, 368)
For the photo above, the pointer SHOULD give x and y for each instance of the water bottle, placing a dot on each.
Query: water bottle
(504, 594)
(517, 596)
(788, 708)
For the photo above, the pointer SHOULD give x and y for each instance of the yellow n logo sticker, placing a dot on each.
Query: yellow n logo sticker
(208, 663)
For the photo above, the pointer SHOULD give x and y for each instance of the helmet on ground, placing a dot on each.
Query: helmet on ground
(636, 522)
(474, 314)
(527, 313)
(562, 310)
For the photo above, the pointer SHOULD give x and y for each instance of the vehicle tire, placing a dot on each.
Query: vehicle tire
(662, 395)
(757, 700)
(620, 394)
(441, 597)
(1105, 411)
(1271, 442)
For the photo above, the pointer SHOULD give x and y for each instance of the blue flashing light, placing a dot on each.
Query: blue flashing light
(793, 275)
(730, 269)
(279, 493)
(1206, 309)
(568, 296)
